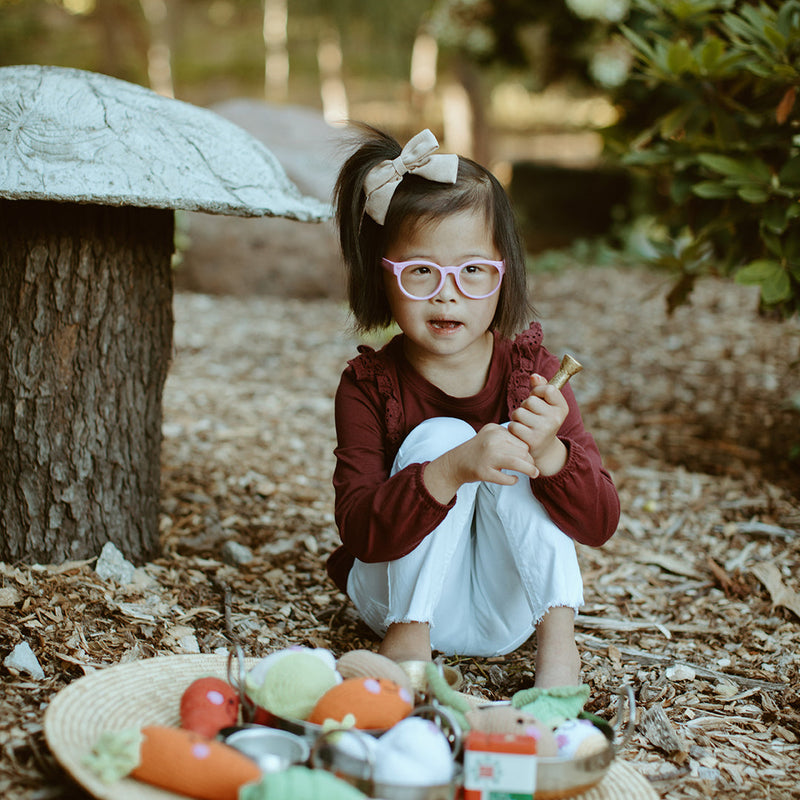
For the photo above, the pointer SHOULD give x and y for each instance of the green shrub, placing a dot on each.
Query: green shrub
(709, 111)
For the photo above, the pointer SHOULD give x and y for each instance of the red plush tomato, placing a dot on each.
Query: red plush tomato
(376, 703)
(208, 706)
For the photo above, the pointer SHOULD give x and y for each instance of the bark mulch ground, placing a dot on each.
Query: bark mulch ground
(695, 601)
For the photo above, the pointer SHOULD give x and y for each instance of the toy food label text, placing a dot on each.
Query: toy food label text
(498, 768)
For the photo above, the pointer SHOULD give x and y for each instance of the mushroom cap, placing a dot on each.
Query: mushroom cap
(82, 137)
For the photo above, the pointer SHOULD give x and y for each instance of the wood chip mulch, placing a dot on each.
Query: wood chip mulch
(695, 602)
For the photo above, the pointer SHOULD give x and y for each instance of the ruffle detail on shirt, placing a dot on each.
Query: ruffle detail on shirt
(523, 350)
(371, 365)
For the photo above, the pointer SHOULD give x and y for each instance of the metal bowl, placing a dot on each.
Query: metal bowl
(359, 771)
(273, 750)
(558, 778)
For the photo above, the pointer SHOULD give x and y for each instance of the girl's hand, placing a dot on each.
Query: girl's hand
(482, 458)
(536, 423)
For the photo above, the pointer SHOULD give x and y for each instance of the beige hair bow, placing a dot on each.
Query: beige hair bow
(418, 156)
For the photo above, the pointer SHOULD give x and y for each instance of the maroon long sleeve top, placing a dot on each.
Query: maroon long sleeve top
(381, 398)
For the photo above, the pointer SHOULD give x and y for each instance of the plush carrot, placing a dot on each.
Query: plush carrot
(208, 705)
(174, 759)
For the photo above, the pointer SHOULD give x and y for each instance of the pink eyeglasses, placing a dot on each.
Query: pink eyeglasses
(421, 280)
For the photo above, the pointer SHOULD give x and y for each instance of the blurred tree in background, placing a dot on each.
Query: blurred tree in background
(709, 112)
(208, 50)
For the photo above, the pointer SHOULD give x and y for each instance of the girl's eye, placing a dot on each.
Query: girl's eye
(420, 269)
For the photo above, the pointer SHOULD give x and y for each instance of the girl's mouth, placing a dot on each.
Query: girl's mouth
(445, 325)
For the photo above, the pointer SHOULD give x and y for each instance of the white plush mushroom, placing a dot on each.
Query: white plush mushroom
(91, 171)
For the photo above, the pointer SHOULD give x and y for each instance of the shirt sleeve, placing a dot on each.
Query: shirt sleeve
(380, 518)
(581, 498)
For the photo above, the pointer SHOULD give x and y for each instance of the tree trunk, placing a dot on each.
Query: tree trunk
(85, 343)
(159, 52)
(276, 56)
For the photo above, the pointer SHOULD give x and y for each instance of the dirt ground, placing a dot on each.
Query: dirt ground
(695, 601)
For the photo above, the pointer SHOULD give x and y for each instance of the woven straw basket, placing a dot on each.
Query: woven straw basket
(148, 692)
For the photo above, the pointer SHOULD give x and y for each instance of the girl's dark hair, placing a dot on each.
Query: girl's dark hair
(416, 202)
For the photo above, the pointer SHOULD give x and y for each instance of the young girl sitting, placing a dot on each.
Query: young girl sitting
(462, 477)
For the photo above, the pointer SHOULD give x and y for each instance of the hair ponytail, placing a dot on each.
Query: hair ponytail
(361, 239)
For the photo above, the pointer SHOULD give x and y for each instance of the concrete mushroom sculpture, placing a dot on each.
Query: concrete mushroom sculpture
(91, 171)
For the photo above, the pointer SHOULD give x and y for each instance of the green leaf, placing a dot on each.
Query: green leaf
(791, 248)
(777, 289)
(640, 43)
(790, 171)
(711, 190)
(775, 37)
(772, 242)
(674, 121)
(786, 20)
(752, 194)
(774, 217)
(747, 170)
(758, 271)
(711, 51)
(770, 276)
(679, 57)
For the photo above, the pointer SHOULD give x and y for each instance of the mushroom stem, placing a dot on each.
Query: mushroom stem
(569, 367)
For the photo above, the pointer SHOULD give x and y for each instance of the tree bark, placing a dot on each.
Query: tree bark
(85, 344)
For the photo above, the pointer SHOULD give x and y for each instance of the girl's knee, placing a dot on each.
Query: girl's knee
(431, 439)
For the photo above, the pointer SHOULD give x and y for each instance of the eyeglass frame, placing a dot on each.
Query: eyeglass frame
(397, 267)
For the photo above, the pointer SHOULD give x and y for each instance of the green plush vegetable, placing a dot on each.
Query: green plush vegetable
(115, 754)
(293, 683)
(454, 701)
(552, 706)
(300, 783)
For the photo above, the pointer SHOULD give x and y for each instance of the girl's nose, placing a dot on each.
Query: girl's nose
(449, 290)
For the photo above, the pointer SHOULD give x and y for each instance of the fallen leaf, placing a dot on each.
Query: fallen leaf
(786, 105)
(780, 593)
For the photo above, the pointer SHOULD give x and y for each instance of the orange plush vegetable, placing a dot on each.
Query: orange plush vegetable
(208, 706)
(375, 703)
(186, 763)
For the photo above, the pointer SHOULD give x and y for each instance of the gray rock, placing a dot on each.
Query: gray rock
(308, 148)
(82, 137)
(23, 659)
(112, 565)
(280, 257)
(236, 554)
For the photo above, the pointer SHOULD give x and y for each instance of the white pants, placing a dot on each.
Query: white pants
(485, 576)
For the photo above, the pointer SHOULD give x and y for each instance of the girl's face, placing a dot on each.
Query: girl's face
(449, 324)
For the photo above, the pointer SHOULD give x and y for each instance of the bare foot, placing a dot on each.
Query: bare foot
(558, 662)
(407, 641)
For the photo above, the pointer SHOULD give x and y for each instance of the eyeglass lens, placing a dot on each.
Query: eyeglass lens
(474, 279)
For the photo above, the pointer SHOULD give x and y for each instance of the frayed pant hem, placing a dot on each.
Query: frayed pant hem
(406, 621)
(575, 607)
